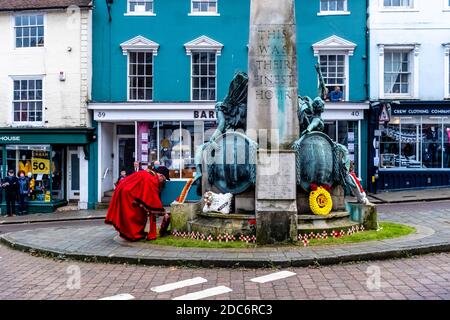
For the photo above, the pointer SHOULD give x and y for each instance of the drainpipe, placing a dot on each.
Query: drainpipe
(367, 55)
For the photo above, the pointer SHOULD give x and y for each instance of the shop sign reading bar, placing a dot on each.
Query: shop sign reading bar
(204, 114)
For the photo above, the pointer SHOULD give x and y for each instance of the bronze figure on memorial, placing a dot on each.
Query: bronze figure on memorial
(229, 157)
(310, 111)
(319, 160)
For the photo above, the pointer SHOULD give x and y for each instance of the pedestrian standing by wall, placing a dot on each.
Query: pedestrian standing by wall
(10, 186)
(24, 192)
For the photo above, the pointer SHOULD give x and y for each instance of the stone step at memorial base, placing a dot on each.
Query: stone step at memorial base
(334, 221)
(218, 223)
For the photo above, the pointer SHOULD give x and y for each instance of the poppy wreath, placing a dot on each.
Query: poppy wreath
(320, 200)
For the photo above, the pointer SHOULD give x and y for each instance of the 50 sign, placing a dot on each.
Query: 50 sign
(40, 166)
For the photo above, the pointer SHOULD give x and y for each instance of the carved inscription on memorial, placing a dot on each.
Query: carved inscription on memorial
(280, 185)
(273, 62)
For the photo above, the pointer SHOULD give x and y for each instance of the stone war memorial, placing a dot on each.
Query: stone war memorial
(269, 170)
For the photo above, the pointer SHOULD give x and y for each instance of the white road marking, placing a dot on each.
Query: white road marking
(273, 276)
(122, 296)
(178, 285)
(204, 293)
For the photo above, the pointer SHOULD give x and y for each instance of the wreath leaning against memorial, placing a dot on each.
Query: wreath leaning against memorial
(320, 200)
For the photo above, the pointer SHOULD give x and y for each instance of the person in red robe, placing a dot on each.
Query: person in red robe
(134, 198)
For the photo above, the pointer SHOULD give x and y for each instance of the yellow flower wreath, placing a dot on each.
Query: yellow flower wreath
(320, 202)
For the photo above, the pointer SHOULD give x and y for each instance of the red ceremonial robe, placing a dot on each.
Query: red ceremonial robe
(124, 212)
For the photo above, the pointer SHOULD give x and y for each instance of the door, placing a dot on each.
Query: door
(126, 148)
(73, 174)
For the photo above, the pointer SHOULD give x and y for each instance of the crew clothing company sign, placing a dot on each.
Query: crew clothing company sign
(40, 162)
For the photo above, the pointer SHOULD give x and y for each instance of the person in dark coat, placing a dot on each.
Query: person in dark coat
(10, 185)
(157, 167)
(24, 192)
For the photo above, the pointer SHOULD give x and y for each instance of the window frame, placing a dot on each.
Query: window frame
(145, 13)
(333, 12)
(192, 75)
(201, 13)
(346, 84)
(414, 53)
(200, 44)
(28, 13)
(27, 123)
(152, 76)
(409, 73)
(335, 45)
(411, 7)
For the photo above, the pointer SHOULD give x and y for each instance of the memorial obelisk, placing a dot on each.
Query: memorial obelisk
(273, 84)
(272, 117)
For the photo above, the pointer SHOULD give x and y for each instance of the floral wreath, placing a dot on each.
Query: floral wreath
(320, 200)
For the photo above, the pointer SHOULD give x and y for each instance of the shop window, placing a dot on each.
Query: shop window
(347, 134)
(446, 145)
(331, 130)
(415, 143)
(432, 143)
(169, 137)
(397, 73)
(27, 100)
(34, 161)
(174, 144)
(29, 30)
(203, 76)
(57, 172)
(140, 76)
(333, 70)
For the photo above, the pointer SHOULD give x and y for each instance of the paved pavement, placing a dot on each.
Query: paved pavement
(411, 196)
(56, 216)
(379, 198)
(27, 277)
(97, 243)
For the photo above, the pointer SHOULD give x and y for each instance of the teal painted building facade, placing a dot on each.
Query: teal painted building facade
(158, 70)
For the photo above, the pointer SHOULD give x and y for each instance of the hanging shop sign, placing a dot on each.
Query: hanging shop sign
(40, 162)
(384, 115)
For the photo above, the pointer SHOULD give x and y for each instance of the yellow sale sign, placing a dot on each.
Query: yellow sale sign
(40, 166)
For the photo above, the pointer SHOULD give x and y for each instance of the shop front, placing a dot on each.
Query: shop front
(171, 134)
(55, 162)
(411, 144)
(168, 133)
